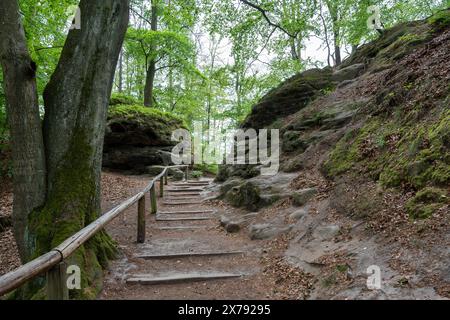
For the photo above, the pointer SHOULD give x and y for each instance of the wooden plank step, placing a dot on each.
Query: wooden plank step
(184, 190)
(148, 279)
(185, 194)
(187, 254)
(187, 228)
(179, 198)
(183, 218)
(187, 212)
(180, 203)
(190, 184)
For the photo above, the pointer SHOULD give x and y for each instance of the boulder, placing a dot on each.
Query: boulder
(348, 73)
(246, 195)
(267, 231)
(290, 97)
(137, 137)
(176, 173)
(300, 198)
(299, 214)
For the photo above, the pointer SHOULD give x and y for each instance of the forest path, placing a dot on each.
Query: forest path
(186, 254)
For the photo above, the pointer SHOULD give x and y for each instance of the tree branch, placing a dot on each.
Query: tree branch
(266, 17)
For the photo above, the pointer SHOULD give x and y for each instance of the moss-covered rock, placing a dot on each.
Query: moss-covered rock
(290, 97)
(137, 137)
(426, 202)
(300, 198)
(246, 196)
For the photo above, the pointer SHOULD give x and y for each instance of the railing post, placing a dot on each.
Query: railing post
(141, 221)
(161, 187)
(166, 178)
(187, 173)
(57, 282)
(153, 200)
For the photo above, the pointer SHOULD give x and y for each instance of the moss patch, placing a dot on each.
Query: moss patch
(426, 202)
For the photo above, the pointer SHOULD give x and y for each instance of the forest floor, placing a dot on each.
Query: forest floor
(266, 267)
(258, 280)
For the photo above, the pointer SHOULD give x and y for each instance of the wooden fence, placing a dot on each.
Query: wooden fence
(53, 261)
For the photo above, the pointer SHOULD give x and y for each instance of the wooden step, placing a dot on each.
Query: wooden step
(187, 212)
(190, 184)
(187, 254)
(185, 228)
(183, 218)
(148, 279)
(185, 190)
(181, 203)
(181, 194)
(172, 198)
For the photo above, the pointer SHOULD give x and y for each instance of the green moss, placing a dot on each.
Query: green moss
(441, 19)
(71, 205)
(426, 202)
(397, 153)
(122, 99)
(144, 114)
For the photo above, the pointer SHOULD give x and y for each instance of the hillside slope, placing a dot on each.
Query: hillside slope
(365, 168)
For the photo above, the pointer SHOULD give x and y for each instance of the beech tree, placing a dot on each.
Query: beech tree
(57, 162)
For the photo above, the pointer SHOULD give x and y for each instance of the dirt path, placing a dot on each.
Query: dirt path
(236, 255)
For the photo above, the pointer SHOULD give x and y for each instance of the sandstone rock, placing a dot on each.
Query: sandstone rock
(299, 214)
(267, 231)
(300, 198)
(137, 137)
(348, 73)
(246, 195)
(326, 233)
(290, 97)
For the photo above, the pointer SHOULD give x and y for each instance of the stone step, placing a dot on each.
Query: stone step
(187, 212)
(148, 279)
(188, 254)
(183, 218)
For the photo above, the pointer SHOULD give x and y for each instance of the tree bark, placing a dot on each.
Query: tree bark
(29, 172)
(57, 168)
(151, 71)
(76, 103)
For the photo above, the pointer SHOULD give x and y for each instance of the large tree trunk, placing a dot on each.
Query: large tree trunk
(29, 173)
(151, 71)
(57, 169)
(76, 103)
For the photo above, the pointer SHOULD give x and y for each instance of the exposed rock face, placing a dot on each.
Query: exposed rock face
(138, 137)
(290, 97)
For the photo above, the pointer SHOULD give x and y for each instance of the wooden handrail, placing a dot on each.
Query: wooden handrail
(44, 263)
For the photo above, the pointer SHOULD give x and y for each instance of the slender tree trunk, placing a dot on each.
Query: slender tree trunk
(151, 71)
(121, 72)
(29, 173)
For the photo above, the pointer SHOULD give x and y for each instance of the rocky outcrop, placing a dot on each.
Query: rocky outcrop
(137, 137)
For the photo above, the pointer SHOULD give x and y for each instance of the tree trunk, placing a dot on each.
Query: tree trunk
(76, 103)
(70, 145)
(151, 71)
(29, 173)
(121, 72)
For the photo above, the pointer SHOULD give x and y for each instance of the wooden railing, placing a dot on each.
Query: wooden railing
(53, 261)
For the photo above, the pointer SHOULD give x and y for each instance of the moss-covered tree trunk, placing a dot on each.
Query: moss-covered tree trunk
(23, 120)
(76, 102)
